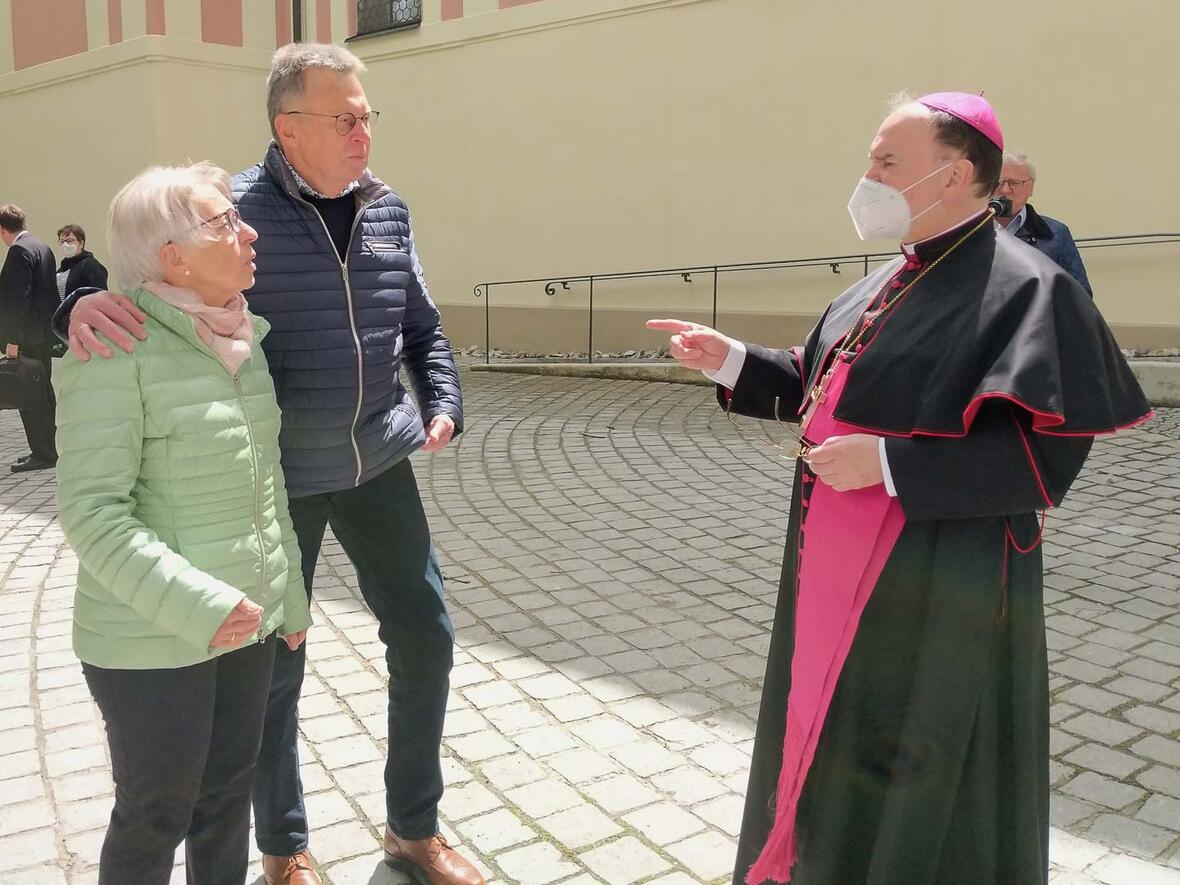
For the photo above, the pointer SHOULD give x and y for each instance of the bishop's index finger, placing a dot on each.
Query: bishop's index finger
(672, 325)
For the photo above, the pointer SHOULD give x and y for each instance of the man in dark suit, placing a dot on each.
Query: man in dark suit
(1051, 236)
(28, 298)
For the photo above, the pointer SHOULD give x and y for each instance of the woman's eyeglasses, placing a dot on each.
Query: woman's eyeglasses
(229, 220)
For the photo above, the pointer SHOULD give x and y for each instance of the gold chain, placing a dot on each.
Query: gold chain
(818, 390)
(846, 348)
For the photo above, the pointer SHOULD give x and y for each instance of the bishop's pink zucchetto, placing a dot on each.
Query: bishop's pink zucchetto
(971, 109)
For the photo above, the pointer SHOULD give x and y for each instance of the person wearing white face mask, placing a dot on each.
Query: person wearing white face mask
(942, 400)
(79, 268)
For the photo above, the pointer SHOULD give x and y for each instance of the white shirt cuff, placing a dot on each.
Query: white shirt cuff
(890, 489)
(727, 375)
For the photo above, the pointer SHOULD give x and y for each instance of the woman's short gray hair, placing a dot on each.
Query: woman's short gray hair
(153, 209)
(288, 66)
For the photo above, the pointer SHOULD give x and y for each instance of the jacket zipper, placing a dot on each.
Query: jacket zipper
(257, 488)
(356, 338)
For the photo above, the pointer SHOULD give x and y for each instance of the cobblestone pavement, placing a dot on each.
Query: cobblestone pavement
(612, 551)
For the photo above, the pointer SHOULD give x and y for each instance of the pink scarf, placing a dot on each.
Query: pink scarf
(227, 331)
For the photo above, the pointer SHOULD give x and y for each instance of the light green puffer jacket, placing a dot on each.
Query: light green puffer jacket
(171, 493)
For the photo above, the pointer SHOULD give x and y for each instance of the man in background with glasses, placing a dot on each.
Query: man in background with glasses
(338, 278)
(1018, 176)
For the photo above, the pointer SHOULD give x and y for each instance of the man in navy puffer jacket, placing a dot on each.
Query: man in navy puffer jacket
(339, 279)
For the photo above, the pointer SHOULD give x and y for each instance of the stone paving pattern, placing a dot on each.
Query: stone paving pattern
(612, 552)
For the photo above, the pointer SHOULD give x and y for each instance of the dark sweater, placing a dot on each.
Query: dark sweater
(85, 271)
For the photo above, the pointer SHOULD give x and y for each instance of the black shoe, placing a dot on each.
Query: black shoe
(32, 464)
(25, 457)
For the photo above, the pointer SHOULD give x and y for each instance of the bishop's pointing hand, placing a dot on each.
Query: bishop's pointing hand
(695, 346)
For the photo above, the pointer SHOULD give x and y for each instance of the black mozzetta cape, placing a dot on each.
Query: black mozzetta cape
(988, 381)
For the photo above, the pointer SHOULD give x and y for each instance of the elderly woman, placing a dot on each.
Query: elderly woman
(171, 494)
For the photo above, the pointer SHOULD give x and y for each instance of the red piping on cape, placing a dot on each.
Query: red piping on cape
(797, 353)
(1031, 547)
(1042, 421)
(1032, 463)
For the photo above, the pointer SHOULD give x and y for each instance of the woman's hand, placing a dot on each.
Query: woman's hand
(240, 626)
(294, 640)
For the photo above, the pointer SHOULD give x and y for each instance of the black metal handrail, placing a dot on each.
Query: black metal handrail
(832, 262)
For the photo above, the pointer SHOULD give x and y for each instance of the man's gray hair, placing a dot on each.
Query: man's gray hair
(1022, 159)
(155, 208)
(288, 66)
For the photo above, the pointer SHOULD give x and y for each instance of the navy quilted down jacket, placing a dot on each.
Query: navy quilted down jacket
(340, 331)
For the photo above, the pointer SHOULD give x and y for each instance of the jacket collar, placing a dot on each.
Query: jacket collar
(369, 188)
(67, 263)
(1034, 227)
(176, 320)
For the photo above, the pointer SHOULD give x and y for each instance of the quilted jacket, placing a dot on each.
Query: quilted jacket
(340, 331)
(171, 494)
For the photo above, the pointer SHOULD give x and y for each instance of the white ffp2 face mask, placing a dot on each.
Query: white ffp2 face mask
(71, 249)
(880, 211)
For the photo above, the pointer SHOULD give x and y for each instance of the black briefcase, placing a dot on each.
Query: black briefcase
(22, 382)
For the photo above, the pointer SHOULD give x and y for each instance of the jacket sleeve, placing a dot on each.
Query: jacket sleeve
(100, 426)
(1000, 468)
(296, 608)
(426, 352)
(94, 275)
(773, 383)
(17, 291)
(1070, 258)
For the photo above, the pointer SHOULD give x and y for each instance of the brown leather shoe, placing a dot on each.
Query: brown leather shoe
(430, 861)
(298, 869)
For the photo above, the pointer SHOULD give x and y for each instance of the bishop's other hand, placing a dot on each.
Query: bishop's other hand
(847, 462)
(695, 346)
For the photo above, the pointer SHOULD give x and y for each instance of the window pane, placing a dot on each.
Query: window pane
(385, 15)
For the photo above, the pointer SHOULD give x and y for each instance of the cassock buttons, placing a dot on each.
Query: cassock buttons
(897, 284)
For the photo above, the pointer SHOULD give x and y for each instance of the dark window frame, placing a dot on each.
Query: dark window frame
(390, 25)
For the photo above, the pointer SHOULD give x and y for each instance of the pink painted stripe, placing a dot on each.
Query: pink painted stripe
(115, 20)
(155, 17)
(323, 21)
(452, 9)
(38, 37)
(282, 23)
(221, 22)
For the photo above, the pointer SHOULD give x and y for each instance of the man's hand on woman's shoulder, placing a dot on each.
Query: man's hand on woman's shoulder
(109, 313)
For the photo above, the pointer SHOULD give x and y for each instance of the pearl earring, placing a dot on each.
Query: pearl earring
(187, 272)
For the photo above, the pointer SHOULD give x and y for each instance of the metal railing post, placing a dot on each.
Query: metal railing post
(487, 323)
(714, 321)
(590, 326)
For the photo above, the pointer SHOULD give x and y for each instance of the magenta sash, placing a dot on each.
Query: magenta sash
(849, 536)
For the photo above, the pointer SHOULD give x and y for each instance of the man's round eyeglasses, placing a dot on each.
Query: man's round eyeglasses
(345, 123)
(1014, 183)
(228, 220)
